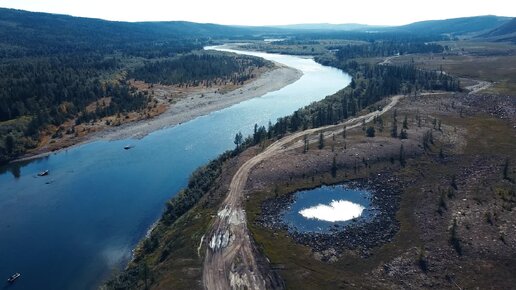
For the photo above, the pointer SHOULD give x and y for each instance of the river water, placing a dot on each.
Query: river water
(72, 228)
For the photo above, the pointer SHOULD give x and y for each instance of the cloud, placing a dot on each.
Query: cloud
(340, 210)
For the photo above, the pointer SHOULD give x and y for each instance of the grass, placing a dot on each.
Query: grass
(493, 62)
(486, 135)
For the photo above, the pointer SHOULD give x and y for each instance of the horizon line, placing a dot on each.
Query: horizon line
(249, 25)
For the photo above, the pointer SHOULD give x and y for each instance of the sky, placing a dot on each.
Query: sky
(270, 12)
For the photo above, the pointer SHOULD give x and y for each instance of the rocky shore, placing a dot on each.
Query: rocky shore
(358, 235)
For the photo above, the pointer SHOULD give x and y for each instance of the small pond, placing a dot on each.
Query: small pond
(328, 207)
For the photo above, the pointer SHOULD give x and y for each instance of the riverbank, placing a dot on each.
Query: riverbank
(191, 104)
(203, 102)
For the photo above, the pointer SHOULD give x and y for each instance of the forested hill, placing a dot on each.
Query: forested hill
(25, 33)
(54, 67)
(472, 26)
(455, 26)
(505, 32)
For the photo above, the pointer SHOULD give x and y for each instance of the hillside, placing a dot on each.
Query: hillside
(21, 30)
(456, 26)
(505, 32)
(60, 72)
(328, 26)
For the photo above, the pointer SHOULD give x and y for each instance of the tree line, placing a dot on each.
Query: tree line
(385, 48)
(196, 68)
(370, 84)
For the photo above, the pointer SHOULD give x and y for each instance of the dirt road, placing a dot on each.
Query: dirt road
(479, 86)
(231, 260)
(388, 60)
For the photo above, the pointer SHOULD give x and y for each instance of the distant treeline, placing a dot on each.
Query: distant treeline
(367, 36)
(27, 34)
(51, 90)
(385, 48)
(195, 68)
(52, 67)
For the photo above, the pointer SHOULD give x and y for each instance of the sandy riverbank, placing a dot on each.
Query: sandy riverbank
(198, 104)
(190, 106)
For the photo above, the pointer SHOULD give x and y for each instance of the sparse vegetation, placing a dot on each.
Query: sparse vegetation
(469, 179)
(422, 260)
(370, 131)
(454, 239)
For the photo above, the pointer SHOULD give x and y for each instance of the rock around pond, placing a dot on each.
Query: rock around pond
(376, 225)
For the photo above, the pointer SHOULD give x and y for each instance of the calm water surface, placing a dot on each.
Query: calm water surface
(72, 228)
(321, 198)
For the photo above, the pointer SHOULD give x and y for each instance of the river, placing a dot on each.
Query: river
(72, 228)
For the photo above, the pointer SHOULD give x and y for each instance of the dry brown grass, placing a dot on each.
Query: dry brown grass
(493, 62)
(394, 265)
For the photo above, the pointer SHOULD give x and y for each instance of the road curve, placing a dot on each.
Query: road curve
(232, 260)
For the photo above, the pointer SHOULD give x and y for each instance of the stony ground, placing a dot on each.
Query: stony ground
(457, 227)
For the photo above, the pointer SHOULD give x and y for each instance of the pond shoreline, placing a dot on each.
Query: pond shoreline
(361, 236)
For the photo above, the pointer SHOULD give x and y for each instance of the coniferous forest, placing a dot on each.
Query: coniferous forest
(52, 67)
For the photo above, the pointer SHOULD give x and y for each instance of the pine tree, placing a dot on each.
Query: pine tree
(10, 143)
(238, 139)
(403, 134)
(321, 140)
(370, 131)
(405, 123)
(506, 169)
(394, 129)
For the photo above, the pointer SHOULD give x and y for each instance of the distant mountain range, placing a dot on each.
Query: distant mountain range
(328, 26)
(505, 32)
(23, 30)
(456, 26)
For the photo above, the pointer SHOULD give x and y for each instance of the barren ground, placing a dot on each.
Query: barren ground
(455, 213)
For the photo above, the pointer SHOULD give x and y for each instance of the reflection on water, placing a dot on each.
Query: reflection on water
(336, 211)
(320, 209)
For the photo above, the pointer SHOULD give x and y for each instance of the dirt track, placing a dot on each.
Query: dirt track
(231, 257)
(479, 86)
